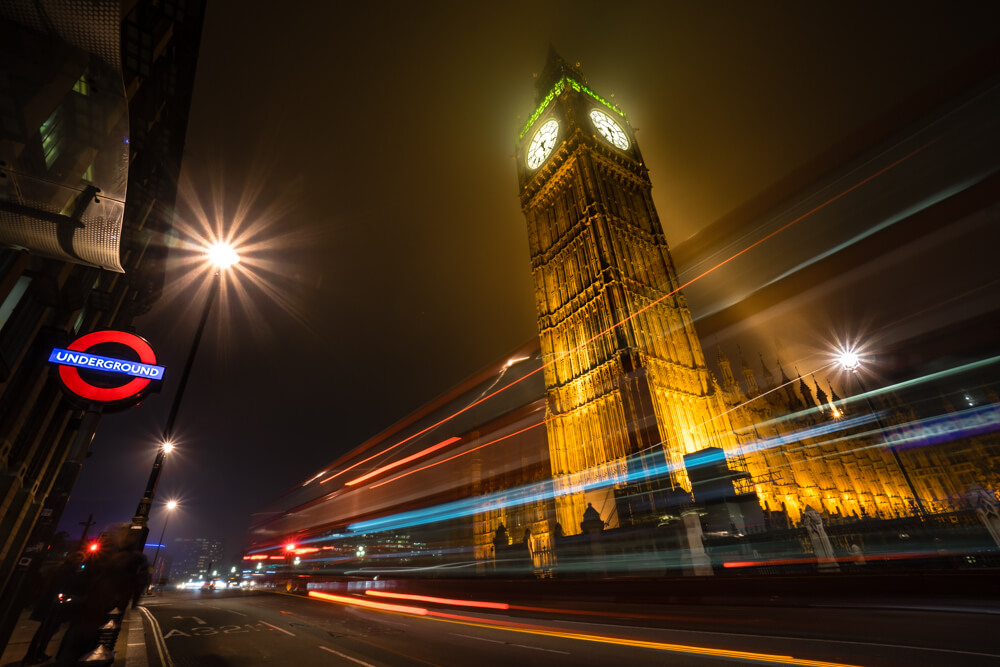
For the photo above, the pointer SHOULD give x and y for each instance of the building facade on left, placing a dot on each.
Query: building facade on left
(94, 105)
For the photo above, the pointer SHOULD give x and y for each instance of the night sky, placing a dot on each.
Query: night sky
(369, 150)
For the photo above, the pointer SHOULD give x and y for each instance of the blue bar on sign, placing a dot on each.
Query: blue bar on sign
(106, 364)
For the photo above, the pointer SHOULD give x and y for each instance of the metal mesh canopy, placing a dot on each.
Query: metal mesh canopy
(64, 130)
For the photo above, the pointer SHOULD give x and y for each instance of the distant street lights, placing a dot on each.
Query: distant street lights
(851, 362)
(221, 256)
(171, 506)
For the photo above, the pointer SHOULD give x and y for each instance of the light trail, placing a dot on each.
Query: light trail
(740, 406)
(395, 464)
(468, 451)
(653, 303)
(448, 601)
(546, 631)
(633, 643)
(578, 483)
(358, 602)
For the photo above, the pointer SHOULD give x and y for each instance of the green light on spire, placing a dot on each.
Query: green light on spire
(556, 91)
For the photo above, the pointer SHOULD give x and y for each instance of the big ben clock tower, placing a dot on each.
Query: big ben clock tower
(629, 393)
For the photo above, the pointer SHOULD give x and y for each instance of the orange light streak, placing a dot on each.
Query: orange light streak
(540, 630)
(403, 461)
(743, 656)
(428, 598)
(468, 451)
(504, 605)
(614, 326)
(358, 602)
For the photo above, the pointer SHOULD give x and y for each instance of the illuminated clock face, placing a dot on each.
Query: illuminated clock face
(609, 129)
(542, 144)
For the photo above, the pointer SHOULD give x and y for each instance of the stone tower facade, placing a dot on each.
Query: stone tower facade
(629, 392)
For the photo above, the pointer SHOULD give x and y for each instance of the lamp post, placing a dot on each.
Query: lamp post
(851, 362)
(221, 256)
(171, 506)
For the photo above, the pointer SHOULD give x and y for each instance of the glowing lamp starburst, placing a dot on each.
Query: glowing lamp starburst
(222, 255)
(849, 360)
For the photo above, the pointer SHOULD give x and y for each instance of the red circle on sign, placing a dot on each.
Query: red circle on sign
(71, 377)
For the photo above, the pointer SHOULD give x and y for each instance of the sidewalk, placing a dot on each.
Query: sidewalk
(130, 649)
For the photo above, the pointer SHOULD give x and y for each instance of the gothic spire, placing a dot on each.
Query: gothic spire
(768, 376)
(725, 367)
(820, 394)
(784, 378)
(555, 69)
(806, 392)
(833, 392)
(836, 404)
(821, 397)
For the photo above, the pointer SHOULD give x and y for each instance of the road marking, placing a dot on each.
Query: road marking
(277, 628)
(496, 641)
(136, 637)
(482, 639)
(196, 619)
(344, 655)
(161, 645)
(238, 613)
(539, 648)
(231, 629)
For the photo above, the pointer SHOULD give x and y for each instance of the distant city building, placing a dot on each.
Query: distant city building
(94, 100)
(195, 558)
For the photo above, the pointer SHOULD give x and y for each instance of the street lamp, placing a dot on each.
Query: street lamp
(221, 256)
(171, 506)
(851, 362)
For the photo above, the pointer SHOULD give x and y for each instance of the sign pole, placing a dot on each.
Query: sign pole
(141, 518)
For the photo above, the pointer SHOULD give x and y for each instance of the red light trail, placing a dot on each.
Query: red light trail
(428, 598)
(468, 451)
(404, 461)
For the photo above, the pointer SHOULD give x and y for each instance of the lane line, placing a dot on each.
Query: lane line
(238, 613)
(344, 655)
(277, 628)
(482, 639)
(158, 640)
(539, 648)
(496, 641)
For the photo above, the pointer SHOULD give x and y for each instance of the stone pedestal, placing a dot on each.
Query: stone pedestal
(695, 562)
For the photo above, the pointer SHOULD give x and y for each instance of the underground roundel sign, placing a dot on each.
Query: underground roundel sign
(108, 367)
